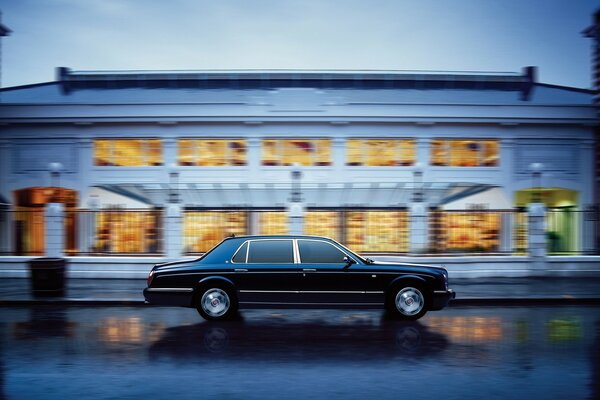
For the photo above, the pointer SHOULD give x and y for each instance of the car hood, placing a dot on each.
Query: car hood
(403, 264)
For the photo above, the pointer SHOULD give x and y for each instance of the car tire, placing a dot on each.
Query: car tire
(216, 302)
(408, 302)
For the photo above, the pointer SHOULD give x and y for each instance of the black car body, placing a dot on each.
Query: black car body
(295, 272)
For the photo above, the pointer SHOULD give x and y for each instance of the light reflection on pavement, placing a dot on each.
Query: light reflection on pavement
(505, 353)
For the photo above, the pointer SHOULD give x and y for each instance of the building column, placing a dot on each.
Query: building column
(254, 157)
(536, 237)
(295, 207)
(173, 232)
(55, 230)
(418, 229)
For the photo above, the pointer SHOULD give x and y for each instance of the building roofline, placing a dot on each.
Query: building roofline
(66, 74)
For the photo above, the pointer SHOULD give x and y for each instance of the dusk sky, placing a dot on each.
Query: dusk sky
(453, 35)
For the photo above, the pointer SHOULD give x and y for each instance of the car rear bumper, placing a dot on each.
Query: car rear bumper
(441, 298)
(169, 296)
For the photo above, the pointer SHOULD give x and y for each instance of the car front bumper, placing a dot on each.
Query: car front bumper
(169, 296)
(441, 298)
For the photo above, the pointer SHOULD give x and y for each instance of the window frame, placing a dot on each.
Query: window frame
(196, 151)
(294, 259)
(448, 159)
(296, 251)
(145, 155)
(398, 141)
(322, 241)
(281, 150)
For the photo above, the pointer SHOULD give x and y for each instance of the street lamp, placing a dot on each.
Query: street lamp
(418, 183)
(536, 180)
(296, 195)
(55, 168)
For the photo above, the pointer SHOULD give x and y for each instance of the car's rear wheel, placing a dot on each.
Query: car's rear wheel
(408, 302)
(216, 303)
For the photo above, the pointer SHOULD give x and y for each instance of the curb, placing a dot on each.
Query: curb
(466, 302)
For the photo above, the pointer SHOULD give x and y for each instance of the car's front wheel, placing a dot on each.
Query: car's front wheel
(408, 302)
(216, 303)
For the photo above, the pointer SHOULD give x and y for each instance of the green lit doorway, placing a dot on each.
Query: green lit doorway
(562, 217)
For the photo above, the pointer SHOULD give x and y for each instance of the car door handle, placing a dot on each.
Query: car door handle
(309, 270)
(241, 270)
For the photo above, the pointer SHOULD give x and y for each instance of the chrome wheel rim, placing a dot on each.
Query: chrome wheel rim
(410, 301)
(215, 302)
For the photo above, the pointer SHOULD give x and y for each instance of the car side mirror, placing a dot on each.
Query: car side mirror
(348, 261)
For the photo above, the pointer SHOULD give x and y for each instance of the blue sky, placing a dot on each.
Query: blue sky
(454, 35)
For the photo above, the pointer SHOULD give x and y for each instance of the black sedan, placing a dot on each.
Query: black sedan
(295, 272)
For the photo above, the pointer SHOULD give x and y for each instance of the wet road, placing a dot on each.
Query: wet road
(459, 353)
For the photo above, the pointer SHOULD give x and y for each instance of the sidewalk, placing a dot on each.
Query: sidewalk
(489, 291)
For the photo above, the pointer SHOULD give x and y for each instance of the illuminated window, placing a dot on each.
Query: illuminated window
(211, 152)
(464, 153)
(306, 152)
(465, 231)
(128, 231)
(273, 223)
(128, 152)
(202, 230)
(380, 152)
(322, 223)
(377, 231)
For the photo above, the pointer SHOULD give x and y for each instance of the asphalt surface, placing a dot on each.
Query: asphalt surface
(62, 352)
(500, 291)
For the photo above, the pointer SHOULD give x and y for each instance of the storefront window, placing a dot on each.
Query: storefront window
(273, 223)
(202, 230)
(128, 152)
(322, 223)
(464, 153)
(380, 152)
(306, 152)
(465, 231)
(377, 231)
(211, 152)
(128, 231)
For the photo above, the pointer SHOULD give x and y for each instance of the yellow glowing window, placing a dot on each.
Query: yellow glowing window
(306, 152)
(127, 231)
(377, 231)
(211, 152)
(202, 230)
(470, 231)
(273, 223)
(322, 223)
(128, 152)
(464, 153)
(380, 152)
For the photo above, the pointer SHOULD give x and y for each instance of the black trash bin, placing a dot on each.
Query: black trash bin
(47, 276)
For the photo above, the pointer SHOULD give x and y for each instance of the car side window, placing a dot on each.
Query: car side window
(240, 256)
(271, 252)
(318, 252)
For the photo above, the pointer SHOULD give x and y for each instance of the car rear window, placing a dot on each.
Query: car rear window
(314, 251)
(271, 251)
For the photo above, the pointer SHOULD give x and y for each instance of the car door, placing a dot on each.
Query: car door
(265, 272)
(326, 278)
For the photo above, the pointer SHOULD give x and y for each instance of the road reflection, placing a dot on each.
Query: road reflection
(513, 352)
(300, 341)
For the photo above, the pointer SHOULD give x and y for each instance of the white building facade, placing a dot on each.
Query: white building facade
(386, 162)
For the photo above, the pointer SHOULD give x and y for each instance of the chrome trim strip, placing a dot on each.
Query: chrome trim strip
(183, 290)
(314, 304)
(313, 291)
(441, 291)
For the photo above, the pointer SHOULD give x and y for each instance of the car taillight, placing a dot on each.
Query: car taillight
(150, 277)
